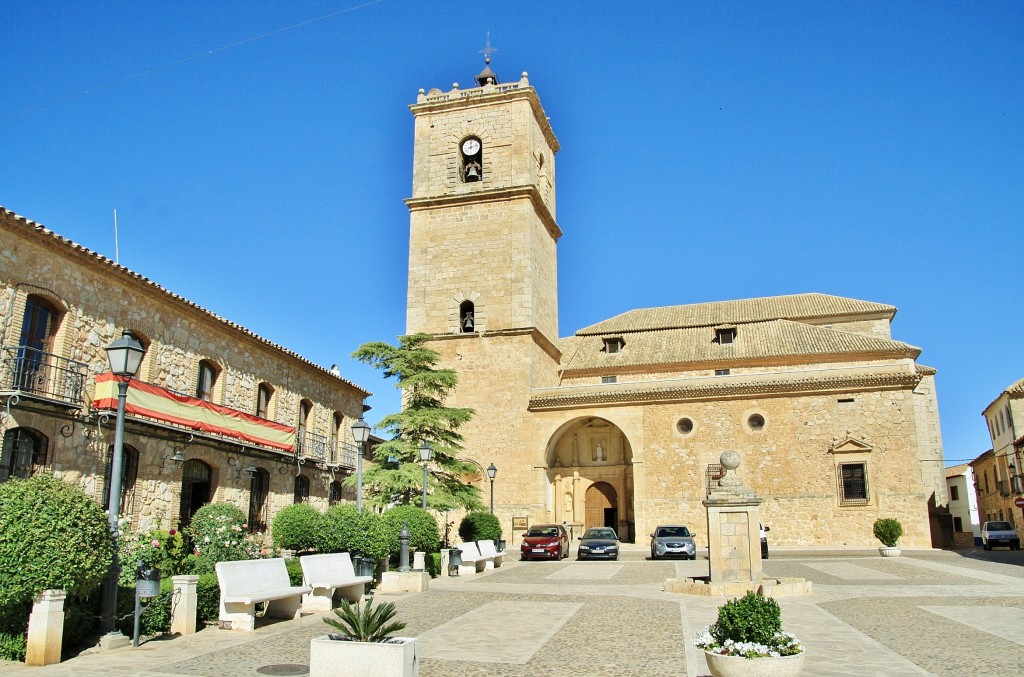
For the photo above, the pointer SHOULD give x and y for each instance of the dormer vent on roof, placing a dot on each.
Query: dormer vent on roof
(725, 335)
(613, 345)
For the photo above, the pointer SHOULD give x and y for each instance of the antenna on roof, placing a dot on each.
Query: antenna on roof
(117, 257)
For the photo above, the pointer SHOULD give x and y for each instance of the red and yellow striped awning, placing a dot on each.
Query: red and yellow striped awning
(146, 399)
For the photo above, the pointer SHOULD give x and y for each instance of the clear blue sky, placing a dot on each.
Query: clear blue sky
(710, 151)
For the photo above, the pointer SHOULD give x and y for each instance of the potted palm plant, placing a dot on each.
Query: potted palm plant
(364, 644)
(888, 530)
(747, 640)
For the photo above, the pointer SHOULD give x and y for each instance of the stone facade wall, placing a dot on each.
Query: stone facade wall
(98, 300)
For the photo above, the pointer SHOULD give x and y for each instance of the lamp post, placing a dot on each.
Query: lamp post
(360, 433)
(124, 355)
(426, 451)
(492, 471)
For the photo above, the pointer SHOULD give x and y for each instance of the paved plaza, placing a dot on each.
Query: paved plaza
(925, 613)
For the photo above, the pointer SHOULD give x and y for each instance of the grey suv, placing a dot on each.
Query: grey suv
(672, 540)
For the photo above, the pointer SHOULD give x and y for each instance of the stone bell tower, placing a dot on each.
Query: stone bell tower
(482, 254)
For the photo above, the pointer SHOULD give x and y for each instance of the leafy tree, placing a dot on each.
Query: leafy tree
(397, 474)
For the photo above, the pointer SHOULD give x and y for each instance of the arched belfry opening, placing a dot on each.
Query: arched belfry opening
(472, 152)
(590, 477)
(467, 317)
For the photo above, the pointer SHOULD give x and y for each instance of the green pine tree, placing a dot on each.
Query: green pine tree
(397, 474)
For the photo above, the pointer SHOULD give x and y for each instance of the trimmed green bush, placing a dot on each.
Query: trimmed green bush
(52, 536)
(298, 527)
(480, 526)
(12, 646)
(217, 534)
(751, 618)
(341, 528)
(423, 532)
(888, 530)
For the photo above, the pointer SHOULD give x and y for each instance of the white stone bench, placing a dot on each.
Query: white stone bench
(472, 561)
(245, 583)
(327, 574)
(487, 549)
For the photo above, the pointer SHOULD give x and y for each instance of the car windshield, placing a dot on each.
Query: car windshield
(542, 531)
(599, 533)
(672, 532)
(999, 526)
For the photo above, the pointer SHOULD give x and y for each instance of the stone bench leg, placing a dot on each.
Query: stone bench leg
(497, 561)
(321, 599)
(467, 569)
(238, 616)
(488, 564)
(353, 593)
(287, 607)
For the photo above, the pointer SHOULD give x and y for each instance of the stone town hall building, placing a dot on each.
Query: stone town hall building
(623, 422)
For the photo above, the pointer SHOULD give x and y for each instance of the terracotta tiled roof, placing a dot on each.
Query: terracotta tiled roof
(1016, 387)
(39, 229)
(805, 307)
(957, 470)
(752, 342)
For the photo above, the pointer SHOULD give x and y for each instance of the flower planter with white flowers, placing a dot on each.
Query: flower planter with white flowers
(747, 641)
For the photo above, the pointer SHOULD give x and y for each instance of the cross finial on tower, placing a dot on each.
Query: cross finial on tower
(488, 50)
(487, 76)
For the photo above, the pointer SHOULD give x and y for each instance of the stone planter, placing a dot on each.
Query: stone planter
(890, 551)
(738, 666)
(398, 657)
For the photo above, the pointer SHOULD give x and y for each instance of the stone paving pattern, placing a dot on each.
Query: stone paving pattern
(553, 618)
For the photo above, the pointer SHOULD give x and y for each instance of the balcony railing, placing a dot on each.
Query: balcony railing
(34, 372)
(319, 449)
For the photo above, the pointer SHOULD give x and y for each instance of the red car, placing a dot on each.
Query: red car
(545, 541)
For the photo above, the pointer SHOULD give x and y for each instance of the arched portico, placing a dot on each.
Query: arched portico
(590, 476)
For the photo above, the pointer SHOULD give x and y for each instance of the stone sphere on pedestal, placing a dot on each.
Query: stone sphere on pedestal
(730, 460)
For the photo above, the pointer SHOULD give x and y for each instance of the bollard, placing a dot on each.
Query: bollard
(403, 539)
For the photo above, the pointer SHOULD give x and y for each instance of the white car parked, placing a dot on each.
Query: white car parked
(999, 533)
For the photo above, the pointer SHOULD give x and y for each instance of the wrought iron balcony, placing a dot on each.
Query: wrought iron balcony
(311, 446)
(35, 373)
(320, 449)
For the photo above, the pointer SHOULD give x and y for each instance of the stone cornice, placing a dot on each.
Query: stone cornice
(493, 195)
(538, 337)
(710, 391)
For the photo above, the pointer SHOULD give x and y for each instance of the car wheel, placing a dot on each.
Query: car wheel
(653, 556)
(986, 546)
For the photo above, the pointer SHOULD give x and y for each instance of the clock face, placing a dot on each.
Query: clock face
(470, 146)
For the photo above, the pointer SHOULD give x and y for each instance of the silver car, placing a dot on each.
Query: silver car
(672, 540)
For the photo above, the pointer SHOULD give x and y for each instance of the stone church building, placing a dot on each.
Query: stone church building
(623, 422)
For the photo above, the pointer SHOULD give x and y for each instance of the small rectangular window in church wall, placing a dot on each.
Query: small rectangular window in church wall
(721, 372)
(609, 379)
(853, 484)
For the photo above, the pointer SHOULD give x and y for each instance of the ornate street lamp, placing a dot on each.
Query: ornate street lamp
(492, 471)
(426, 451)
(360, 433)
(124, 355)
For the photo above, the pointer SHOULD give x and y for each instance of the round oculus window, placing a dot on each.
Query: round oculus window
(685, 426)
(755, 421)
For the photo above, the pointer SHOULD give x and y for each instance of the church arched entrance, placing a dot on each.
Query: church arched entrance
(590, 474)
(602, 506)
